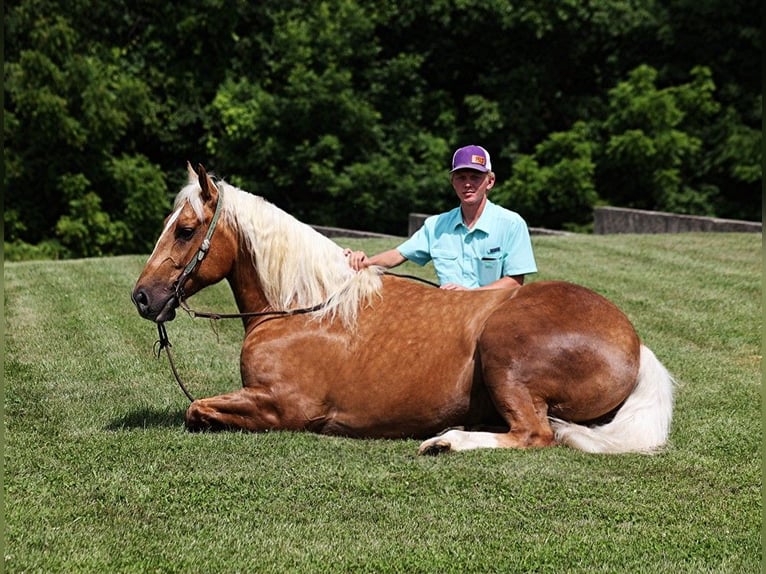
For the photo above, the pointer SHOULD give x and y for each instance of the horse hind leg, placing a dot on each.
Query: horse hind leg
(641, 424)
(526, 417)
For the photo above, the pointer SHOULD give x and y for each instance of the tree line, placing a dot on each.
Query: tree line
(345, 113)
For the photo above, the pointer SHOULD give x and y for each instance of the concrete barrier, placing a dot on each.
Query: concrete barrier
(340, 232)
(608, 220)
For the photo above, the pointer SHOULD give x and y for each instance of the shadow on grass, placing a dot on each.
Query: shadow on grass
(148, 418)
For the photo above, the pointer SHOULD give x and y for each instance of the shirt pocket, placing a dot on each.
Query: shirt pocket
(446, 265)
(489, 270)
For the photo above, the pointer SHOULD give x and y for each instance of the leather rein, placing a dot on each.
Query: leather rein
(163, 343)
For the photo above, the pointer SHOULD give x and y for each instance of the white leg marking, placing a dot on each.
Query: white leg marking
(456, 440)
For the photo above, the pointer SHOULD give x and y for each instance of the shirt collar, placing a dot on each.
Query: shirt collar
(483, 222)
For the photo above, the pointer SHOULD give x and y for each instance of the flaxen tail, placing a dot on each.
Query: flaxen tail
(641, 425)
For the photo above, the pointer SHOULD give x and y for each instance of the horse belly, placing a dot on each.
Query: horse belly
(400, 405)
(408, 383)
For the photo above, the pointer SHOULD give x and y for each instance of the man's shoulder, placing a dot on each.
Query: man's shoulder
(502, 213)
(445, 220)
(451, 214)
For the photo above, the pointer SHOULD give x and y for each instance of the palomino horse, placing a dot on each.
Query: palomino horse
(376, 355)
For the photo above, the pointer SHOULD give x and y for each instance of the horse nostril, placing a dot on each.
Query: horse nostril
(140, 299)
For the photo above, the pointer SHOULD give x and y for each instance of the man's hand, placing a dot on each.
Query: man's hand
(357, 260)
(453, 287)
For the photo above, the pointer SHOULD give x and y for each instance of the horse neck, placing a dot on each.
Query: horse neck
(296, 265)
(246, 285)
(283, 264)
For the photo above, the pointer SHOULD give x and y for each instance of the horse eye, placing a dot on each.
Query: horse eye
(184, 233)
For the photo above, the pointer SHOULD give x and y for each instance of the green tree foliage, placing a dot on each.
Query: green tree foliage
(647, 152)
(556, 184)
(86, 230)
(73, 107)
(651, 157)
(306, 128)
(346, 113)
(141, 189)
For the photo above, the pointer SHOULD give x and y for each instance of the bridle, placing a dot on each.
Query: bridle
(202, 251)
(164, 343)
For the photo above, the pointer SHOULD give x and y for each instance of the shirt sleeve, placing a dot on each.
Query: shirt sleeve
(417, 248)
(519, 259)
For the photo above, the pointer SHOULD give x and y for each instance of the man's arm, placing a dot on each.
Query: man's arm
(358, 260)
(507, 282)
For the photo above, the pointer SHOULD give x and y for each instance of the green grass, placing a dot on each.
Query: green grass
(100, 476)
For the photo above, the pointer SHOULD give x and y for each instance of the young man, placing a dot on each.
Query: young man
(477, 245)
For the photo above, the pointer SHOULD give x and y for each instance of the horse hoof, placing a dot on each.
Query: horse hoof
(434, 447)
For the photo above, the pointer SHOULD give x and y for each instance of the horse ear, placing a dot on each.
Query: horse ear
(191, 172)
(209, 190)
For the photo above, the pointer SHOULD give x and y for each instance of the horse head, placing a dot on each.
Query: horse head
(179, 266)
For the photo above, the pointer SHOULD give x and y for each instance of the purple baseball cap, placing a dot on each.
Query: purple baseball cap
(471, 157)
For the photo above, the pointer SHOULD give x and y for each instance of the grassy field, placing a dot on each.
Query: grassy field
(100, 476)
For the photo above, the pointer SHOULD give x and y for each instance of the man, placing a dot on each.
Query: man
(477, 245)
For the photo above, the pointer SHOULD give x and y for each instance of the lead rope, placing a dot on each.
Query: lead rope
(164, 343)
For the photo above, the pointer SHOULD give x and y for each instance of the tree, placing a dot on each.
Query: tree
(648, 151)
(345, 112)
(71, 104)
(86, 230)
(555, 186)
(651, 156)
(304, 128)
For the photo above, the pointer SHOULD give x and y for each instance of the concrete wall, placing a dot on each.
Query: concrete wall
(607, 220)
(621, 220)
(340, 232)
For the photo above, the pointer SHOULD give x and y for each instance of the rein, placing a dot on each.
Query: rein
(163, 343)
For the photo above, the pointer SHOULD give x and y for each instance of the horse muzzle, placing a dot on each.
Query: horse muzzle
(157, 309)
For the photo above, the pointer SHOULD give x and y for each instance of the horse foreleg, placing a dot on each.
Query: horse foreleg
(245, 409)
(526, 417)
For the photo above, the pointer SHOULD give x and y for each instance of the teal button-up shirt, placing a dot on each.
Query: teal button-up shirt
(497, 246)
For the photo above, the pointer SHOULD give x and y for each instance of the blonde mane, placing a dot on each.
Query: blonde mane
(298, 267)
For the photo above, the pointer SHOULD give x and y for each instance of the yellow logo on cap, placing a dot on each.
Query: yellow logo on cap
(478, 159)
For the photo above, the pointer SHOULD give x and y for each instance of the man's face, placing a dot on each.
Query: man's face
(471, 186)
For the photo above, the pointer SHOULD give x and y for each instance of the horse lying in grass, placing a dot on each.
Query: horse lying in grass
(367, 354)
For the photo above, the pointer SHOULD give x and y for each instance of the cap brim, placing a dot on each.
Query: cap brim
(471, 166)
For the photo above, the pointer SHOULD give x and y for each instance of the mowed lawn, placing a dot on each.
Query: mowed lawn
(100, 475)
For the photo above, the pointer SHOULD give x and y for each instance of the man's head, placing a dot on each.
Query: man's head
(471, 175)
(472, 157)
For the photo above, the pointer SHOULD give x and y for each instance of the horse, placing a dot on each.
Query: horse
(371, 354)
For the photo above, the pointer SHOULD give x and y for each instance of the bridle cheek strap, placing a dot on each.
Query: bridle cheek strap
(201, 252)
